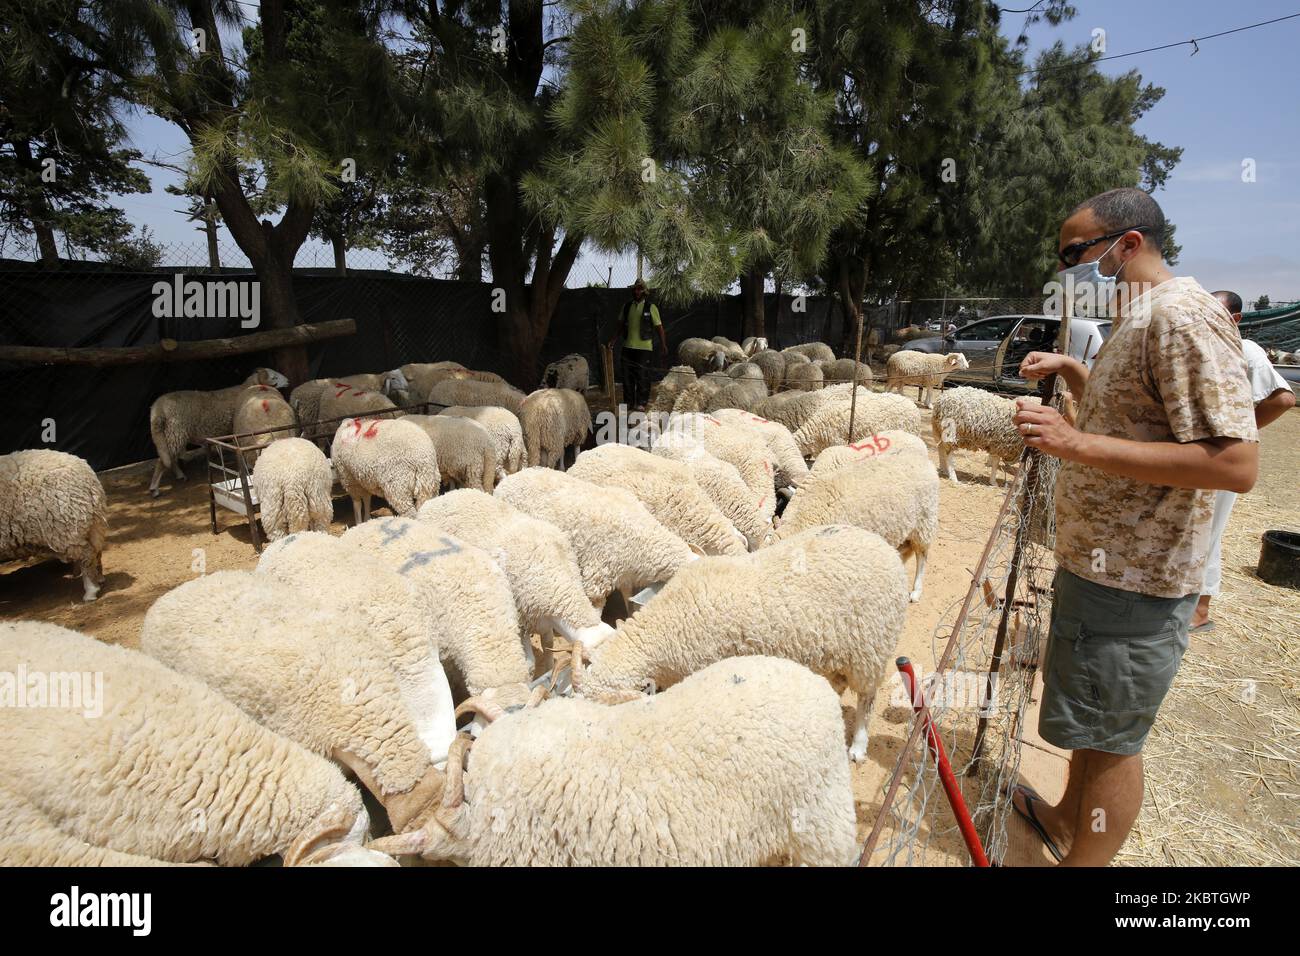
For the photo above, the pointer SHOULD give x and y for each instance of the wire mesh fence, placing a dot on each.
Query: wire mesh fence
(987, 649)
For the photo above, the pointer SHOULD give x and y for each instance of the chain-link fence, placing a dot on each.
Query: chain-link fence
(987, 649)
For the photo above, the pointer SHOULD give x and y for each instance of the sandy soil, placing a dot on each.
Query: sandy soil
(157, 544)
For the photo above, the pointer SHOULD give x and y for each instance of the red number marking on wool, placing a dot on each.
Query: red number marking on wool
(372, 431)
(266, 406)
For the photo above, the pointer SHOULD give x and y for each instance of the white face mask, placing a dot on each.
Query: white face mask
(1093, 293)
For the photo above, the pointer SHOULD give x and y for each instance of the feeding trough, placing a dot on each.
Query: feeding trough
(1279, 559)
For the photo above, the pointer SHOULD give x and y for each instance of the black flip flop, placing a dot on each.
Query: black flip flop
(1028, 815)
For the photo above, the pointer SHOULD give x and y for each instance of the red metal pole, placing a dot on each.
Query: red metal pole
(946, 776)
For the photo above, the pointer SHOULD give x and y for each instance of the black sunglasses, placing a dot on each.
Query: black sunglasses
(1069, 256)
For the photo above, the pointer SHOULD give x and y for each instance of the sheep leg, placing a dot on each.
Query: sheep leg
(546, 663)
(858, 749)
(945, 462)
(995, 470)
(920, 574)
(529, 656)
(156, 479)
(92, 576)
(356, 509)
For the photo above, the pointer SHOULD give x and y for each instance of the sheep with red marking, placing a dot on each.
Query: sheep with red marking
(387, 457)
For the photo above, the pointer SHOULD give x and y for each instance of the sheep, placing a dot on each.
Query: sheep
(305, 399)
(569, 372)
(341, 577)
(466, 453)
(309, 670)
(814, 351)
(472, 392)
(773, 366)
(922, 369)
(537, 560)
(504, 428)
(803, 376)
(792, 358)
(974, 419)
(552, 420)
(471, 605)
(790, 467)
(665, 393)
(722, 484)
(261, 409)
(841, 370)
(702, 355)
(745, 392)
(747, 451)
(753, 345)
(340, 400)
(792, 409)
(294, 488)
(170, 769)
(875, 412)
(693, 396)
(422, 376)
(29, 838)
(619, 544)
(888, 442)
(896, 496)
(53, 504)
(180, 419)
(668, 491)
(740, 764)
(832, 598)
(387, 457)
(731, 349)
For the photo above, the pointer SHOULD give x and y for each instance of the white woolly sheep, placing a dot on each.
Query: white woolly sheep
(743, 394)
(341, 577)
(569, 372)
(466, 453)
(746, 450)
(721, 482)
(841, 370)
(422, 376)
(180, 419)
(753, 344)
(888, 442)
(730, 348)
(668, 491)
(340, 400)
(693, 396)
(832, 598)
(170, 769)
(387, 457)
(773, 366)
(306, 669)
(619, 544)
(702, 355)
(803, 376)
(305, 399)
(507, 434)
(740, 764)
(924, 370)
(294, 488)
(469, 597)
(974, 419)
(813, 351)
(896, 496)
(665, 392)
(875, 412)
(537, 559)
(552, 421)
(791, 469)
(261, 409)
(473, 392)
(53, 504)
(792, 409)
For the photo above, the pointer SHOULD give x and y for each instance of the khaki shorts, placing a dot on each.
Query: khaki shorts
(1111, 658)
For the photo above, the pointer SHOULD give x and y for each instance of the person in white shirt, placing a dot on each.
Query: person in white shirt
(1273, 397)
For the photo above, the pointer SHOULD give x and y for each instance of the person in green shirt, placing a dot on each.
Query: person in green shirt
(638, 347)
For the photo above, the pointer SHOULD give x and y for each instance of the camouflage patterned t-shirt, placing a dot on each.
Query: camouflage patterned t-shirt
(1171, 371)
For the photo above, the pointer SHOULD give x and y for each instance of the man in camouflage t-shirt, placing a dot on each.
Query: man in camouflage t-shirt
(1165, 418)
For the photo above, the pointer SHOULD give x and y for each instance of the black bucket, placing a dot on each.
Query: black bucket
(1279, 559)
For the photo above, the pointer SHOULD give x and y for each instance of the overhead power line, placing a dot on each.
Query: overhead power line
(1167, 46)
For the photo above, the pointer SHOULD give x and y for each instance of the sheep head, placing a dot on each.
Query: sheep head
(955, 360)
(333, 842)
(444, 834)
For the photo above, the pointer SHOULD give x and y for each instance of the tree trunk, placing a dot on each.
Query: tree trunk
(340, 255)
(469, 262)
(210, 227)
(751, 288)
(47, 245)
(280, 308)
(39, 211)
(776, 315)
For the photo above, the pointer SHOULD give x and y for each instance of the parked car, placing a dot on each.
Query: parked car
(995, 347)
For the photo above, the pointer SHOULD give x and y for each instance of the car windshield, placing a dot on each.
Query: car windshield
(988, 330)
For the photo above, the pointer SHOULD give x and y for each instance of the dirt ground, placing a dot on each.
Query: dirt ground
(1218, 767)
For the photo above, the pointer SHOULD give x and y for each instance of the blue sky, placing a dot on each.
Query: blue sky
(1233, 100)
